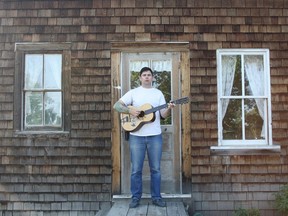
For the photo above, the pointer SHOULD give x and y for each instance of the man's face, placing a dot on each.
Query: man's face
(146, 78)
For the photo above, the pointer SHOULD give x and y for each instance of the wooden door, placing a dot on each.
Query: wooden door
(167, 79)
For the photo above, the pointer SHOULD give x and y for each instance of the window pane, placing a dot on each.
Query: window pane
(237, 84)
(52, 71)
(162, 77)
(253, 119)
(232, 121)
(33, 71)
(254, 75)
(53, 109)
(231, 75)
(33, 109)
(162, 80)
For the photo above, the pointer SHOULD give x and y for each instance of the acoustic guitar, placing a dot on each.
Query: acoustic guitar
(147, 114)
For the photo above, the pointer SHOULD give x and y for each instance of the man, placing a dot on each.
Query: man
(147, 138)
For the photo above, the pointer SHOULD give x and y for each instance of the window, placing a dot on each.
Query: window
(42, 87)
(244, 103)
(42, 90)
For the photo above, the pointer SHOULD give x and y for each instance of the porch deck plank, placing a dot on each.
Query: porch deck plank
(176, 208)
(141, 210)
(121, 208)
(154, 210)
(172, 209)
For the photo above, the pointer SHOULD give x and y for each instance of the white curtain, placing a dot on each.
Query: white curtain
(228, 73)
(137, 65)
(33, 71)
(254, 70)
(162, 65)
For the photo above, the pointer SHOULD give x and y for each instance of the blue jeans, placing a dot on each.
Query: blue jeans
(138, 147)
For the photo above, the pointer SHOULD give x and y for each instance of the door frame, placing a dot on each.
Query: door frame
(184, 70)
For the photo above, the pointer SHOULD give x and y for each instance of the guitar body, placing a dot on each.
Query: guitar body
(131, 123)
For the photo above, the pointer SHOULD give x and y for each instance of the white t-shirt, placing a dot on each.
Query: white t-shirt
(139, 96)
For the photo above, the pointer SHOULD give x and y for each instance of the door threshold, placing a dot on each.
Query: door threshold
(148, 196)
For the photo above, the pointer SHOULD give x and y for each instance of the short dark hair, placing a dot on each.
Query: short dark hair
(145, 69)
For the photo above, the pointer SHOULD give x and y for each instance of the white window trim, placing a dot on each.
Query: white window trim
(266, 144)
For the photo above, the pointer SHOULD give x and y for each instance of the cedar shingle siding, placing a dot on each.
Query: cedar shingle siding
(63, 174)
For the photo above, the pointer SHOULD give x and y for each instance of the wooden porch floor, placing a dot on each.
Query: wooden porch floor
(146, 208)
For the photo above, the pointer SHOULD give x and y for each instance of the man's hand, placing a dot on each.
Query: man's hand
(171, 105)
(134, 112)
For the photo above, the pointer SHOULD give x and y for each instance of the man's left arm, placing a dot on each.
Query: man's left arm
(166, 112)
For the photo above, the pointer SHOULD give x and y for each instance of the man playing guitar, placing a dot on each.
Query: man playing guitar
(148, 137)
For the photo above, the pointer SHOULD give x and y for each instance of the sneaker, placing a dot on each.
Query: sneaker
(159, 202)
(134, 203)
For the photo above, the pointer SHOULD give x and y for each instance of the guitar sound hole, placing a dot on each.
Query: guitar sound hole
(141, 114)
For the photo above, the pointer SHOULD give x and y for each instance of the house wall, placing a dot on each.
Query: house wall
(60, 175)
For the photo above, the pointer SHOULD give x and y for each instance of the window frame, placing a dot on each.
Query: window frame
(245, 143)
(21, 49)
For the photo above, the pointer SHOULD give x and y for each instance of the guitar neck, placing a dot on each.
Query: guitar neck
(154, 109)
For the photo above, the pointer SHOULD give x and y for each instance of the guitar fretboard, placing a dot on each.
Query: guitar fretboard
(152, 110)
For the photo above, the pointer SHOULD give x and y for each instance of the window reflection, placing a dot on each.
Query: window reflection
(232, 122)
(33, 109)
(253, 120)
(53, 108)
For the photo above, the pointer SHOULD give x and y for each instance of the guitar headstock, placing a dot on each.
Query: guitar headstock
(183, 100)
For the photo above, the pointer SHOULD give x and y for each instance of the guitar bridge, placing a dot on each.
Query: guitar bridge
(133, 122)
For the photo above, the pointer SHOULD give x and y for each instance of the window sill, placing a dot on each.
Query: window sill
(245, 150)
(41, 134)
